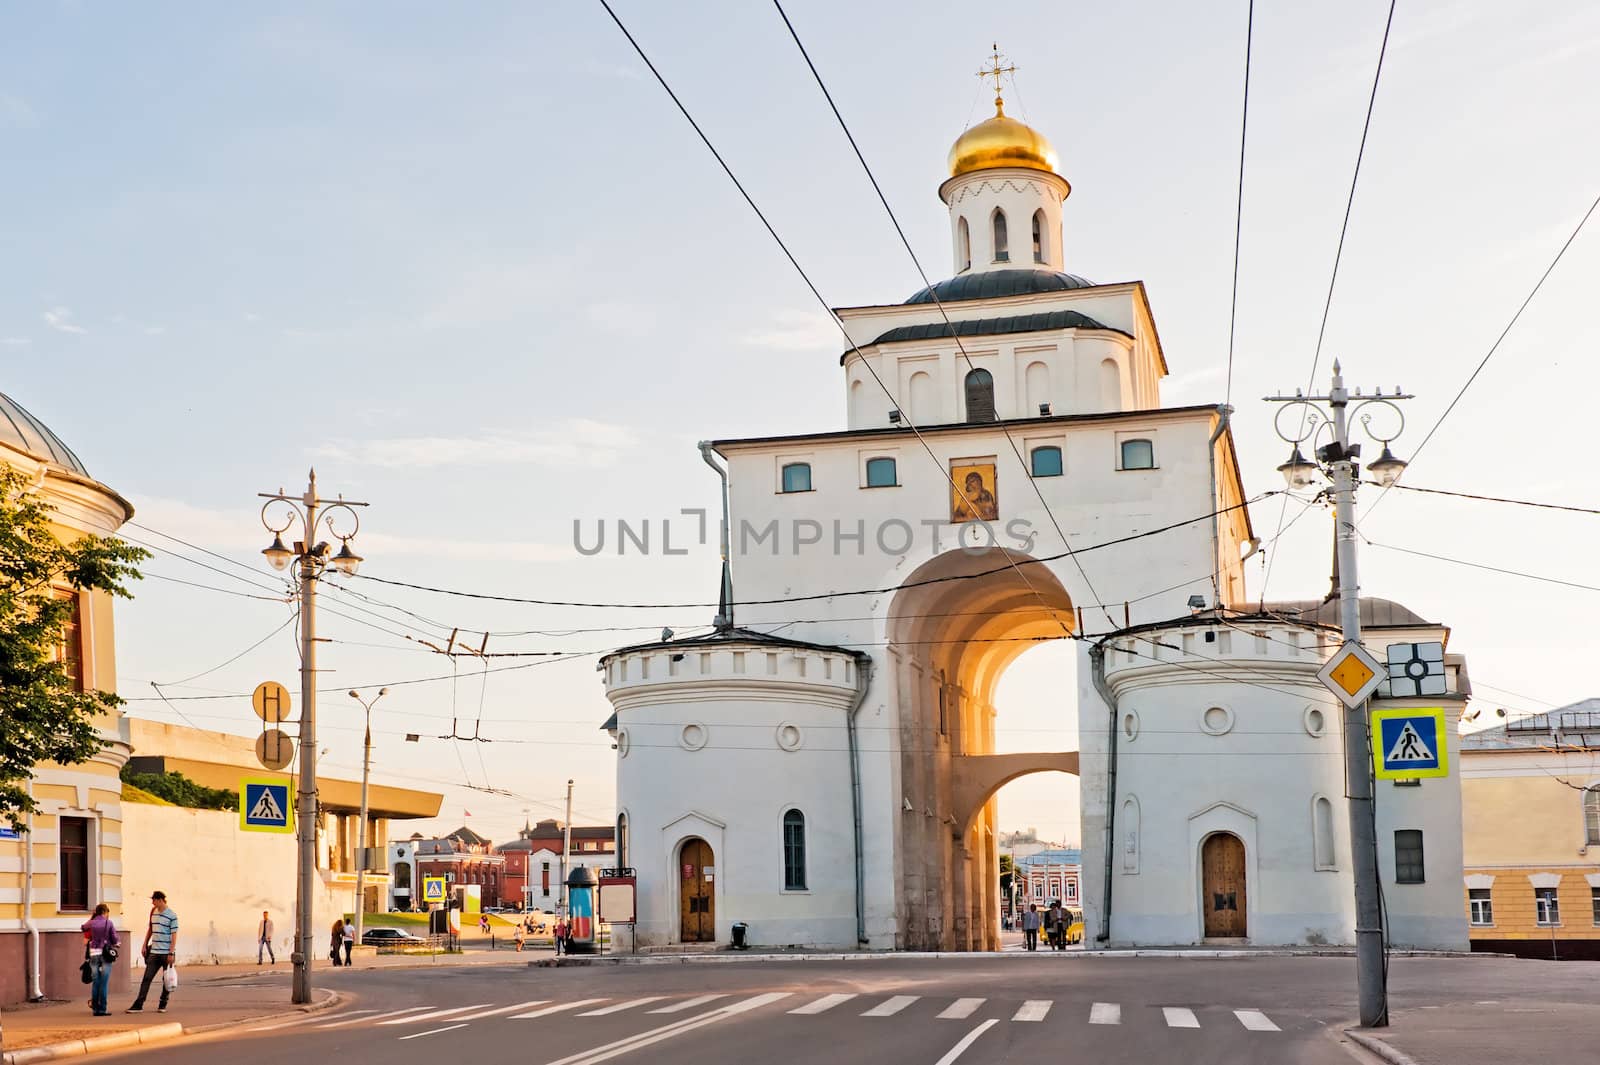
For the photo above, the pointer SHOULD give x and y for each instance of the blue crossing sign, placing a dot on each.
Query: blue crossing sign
(1410, 743)
(265, 805)
(433, 889)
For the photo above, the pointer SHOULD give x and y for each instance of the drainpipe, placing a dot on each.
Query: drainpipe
(1097, 669)
(35, 980)
(863, 683)
(724, 619)
(1216, 519)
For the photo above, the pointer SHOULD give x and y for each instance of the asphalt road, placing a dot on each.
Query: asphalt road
(1271, 1011)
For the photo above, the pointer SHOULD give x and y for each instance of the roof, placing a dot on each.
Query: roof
(21, 430)
(734, 635)
(1375, 613)
(988, 283)
(1014, 323)
(1054, 856)
(466, 835)
(1574, 725)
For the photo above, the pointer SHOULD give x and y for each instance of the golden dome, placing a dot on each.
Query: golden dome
(1001, 141)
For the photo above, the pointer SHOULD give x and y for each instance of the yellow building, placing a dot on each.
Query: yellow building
(70, 858)
(1530, 795)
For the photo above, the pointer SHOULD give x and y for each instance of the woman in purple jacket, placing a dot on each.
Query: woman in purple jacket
(101, 954)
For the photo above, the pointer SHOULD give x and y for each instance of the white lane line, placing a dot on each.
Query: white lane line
(966, 1041)
(656, 1035)
(606, 1011)
(688, 1004)
(890, 1007)
(1105, 1013)
(1032, 1010)
(436, 1031)
(1179, 1017)
(501, 1009)
(306, 1020)
(557, 1008)
(376, 1017)
(1256, 1021)
(435, 1014)
(961, 1009)
(822, 1005)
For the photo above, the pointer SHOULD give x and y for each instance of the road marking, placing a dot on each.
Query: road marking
(436, 1031)
(966, 1041)
(436, 1014)
(606, 1011)
(1179, 1017)
(1105, 1013)
(378, 1017)
(822, 1005)
(557, 1008)
(890, 1007)
(688, 1004)
(961, 1009)
(1256, 1021)
(1032, 1010)
(303, 1020)
(502, 1009)
(688, 1024)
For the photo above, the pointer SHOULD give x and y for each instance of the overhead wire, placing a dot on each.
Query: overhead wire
(1238, 210)
(1487, 499)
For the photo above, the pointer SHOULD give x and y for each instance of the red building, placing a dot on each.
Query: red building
(462, 857)
(533, 867)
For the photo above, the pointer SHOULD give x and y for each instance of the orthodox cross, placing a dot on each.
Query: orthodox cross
(996, 71)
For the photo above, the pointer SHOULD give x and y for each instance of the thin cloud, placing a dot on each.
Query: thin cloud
(59, 319)
(576, 441)
(795, 331)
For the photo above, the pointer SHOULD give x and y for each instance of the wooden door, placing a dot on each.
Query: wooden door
(1223, 894)
(697, 894)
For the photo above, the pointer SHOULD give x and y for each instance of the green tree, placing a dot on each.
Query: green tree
(42, 717)
(179, 790)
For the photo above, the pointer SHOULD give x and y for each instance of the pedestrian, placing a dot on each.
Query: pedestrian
(160, 952)
(483, 923)
(100, 953)
(560, 934)
(522, 933)
(1055, 925)
(336, 941)
(1030, 928)
(349, 937)
(264, 938)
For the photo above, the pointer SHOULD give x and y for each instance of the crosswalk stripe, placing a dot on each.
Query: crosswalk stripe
(418, 1017)
(606, 1011)
(349, 1015)
(1033, 1010)
(500, 1009)
(1105, 1013)
(688, 1004)
(890, 1007)
(1179, 1017)
(557, 1008)
(435, 1031)
(347, 1019)
(826, 1002)
(754, 1003)
(1256, 1021)
(961, 1008)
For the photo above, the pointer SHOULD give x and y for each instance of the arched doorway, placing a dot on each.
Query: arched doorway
(697, 892)
(1222, 886)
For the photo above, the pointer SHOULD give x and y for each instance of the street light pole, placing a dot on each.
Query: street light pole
(566, 851)
(361, 829)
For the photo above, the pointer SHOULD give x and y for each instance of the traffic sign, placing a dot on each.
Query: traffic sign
(1416, 669)
(270, 701)
(1410, 743)
(274, 748)
(1352, 674)
(433, 889)
(266, 805)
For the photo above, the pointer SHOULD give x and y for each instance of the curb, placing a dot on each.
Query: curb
(155, 1033)
(731, 957)
(1380, 1048)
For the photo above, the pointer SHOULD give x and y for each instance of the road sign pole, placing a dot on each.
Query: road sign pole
(1371, 992)
(306, 811)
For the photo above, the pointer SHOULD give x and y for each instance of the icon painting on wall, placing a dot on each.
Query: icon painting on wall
(973, 496)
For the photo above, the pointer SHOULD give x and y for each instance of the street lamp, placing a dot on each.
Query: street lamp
(1339, 464)
(278, 514)
(366, 771)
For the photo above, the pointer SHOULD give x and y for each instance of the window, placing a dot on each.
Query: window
(1408, 856)
(1038, 889)
(74, 851)
(881, 473)
(402, 876)
(1038, 237)
(1138, 455)
(1591, 815)
(1322, 833)
(1546, 907)
(70, 653)
(1480, 908)
(1046, 461)
(1001, 255)
(622, 841)
(797, 477)
(980, 396)
(794, 851)
(544, 878)
(1072, 890)
(1408, 782)
(1594, 903)
(963, 246)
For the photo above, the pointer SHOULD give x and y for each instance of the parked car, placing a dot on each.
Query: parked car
(387, 937)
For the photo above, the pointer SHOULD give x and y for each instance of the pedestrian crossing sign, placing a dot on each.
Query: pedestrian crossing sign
(1410, 743)
(433, 889)
(265, 805)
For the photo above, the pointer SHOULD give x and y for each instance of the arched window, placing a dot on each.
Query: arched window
(797, 477)
(1322, 834)
(1128, 829)
(1001, 255)
(881, 473)
(794, 851)
(622, 841)
(980, 396)
(1138, 455)
(1040, 252)
(924, 399)
(1036, 385)
(1591, 815)
(860, 413)
(1110, 385)
(1046, 462)
(963, 246)
(402, 875)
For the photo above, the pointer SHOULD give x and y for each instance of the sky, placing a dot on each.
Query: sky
(472, 264)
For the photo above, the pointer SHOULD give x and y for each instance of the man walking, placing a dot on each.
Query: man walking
(160, 951)
(1030, 928)
(1054, 927)
(264, 939)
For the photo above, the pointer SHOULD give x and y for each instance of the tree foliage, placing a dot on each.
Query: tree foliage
(179, 790)
(42, 717)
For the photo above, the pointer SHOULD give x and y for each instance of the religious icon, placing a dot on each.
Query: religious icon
(973, 496)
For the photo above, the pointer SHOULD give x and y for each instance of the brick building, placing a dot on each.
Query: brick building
(533, 869)
(462, 857)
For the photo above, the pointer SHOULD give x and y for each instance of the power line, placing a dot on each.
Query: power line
(214, 588)
(1238, 211)
(1488, 499)
(1484, 566)
(276, 629)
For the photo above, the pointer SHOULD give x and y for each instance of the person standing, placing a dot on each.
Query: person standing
(264, 938)
(336, 941)
(522, 934)
(1053, 924)
(349, 938)
(101, 954)
(160, 951)
(1030, 928)
(560, 935)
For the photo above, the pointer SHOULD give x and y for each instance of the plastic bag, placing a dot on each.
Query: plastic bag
(169, 978)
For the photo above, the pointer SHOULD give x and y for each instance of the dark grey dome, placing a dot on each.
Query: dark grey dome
(999, 283)
(28, 434)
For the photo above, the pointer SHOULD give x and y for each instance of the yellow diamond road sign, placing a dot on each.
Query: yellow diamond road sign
(1352, 674)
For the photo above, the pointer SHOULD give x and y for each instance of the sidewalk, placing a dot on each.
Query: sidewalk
(1559, 1031)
